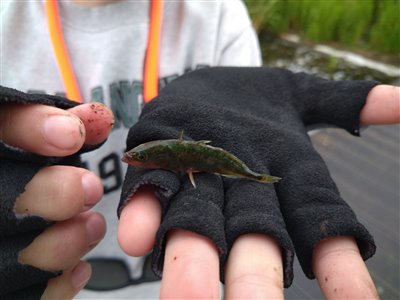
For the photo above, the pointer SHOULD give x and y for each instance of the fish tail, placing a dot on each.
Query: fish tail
(264, 178)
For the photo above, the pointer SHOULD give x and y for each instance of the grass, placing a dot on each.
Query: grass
(368, 24)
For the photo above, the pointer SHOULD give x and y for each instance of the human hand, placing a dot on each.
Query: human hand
(254, 265)
(58, 193)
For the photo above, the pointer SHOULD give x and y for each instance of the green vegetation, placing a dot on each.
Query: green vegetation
(366, 24)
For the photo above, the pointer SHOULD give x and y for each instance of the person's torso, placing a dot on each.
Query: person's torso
(107, 47)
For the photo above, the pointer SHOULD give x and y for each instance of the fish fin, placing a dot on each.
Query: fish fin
(180, 138)
(190, 174)
(203, 142)
(264, 178)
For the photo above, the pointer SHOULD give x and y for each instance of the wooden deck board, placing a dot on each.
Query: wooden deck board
(367, 173)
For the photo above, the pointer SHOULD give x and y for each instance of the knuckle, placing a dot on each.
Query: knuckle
(255, 281)
(64, 193)
(336, 254)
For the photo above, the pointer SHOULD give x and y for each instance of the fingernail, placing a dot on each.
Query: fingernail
(81, 274)
(63, 131)
(95, 229)
(93, 189)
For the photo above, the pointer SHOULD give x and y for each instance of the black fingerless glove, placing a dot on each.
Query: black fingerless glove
(17, 167)
(260, 115)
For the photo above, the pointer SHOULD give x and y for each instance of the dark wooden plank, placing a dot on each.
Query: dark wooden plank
(367, 173)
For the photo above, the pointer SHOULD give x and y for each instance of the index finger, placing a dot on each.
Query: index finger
(51, 131)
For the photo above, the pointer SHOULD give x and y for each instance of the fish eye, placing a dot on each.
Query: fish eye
(141, 156)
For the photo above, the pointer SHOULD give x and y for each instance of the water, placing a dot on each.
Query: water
(325, 61)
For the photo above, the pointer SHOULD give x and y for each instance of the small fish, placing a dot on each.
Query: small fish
(191, 157)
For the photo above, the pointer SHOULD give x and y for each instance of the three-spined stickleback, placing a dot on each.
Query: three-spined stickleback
(191, 157)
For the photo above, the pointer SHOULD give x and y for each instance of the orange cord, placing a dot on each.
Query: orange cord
(61, 52)
(150, 80)
(150, 72)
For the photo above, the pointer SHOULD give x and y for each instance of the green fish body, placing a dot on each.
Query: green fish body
(191, 157)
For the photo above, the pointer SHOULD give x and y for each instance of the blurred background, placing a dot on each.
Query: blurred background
(344, 40)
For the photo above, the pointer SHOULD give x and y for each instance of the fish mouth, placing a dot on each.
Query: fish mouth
(124, 159)
(135, 163)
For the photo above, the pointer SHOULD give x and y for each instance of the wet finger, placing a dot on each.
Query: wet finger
(254, 268)
(139, 222)
(67, 285)
(191, 267)
(341, 271)
(59, 192)
(64, 243)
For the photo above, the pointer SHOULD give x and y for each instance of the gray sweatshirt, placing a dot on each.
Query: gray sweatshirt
(107, 47)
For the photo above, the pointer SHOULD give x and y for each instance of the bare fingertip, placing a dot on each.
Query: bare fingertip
(98, 120)
(139, 222)
(95, 228)
(93, 189)
(81, 274)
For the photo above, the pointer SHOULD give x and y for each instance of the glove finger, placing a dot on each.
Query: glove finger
(320, 101)
(21, 276)
(166, 184)
(9, 95)
(16, 233)
(311, 204)
(12, 185)
(194, 209)
(252, 207)
(17, 168)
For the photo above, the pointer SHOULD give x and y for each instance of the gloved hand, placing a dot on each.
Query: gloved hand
(260, 115)
(17, 168)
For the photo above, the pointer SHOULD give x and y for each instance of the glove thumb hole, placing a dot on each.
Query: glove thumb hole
(166, 184)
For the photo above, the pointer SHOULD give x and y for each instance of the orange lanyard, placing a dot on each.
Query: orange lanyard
(150, 70)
